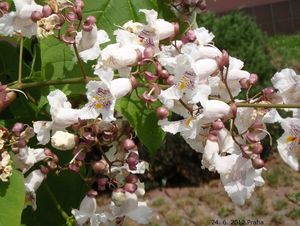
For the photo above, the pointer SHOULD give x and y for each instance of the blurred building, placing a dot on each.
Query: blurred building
(273, 16)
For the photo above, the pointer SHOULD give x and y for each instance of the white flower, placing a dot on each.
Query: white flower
(289, 142)
(32, 183)
(203, 36)
(5, 167)
(27, 157)
(20, 21)
(87, 211)
(132, 208)
(238, 176)
(157, 29)
(62, 116)
(63, 140)
(102, 97)
(89, 43)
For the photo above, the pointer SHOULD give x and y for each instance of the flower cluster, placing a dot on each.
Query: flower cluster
(187, 76)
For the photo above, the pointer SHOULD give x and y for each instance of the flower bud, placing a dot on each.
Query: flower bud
(268, 93)
(257, 163)
(170, 80)
(163, 74)
(256, 148)
(202, 5)
(92, 193)
(246, 151)
(36, 16)
(99, 166)
(4, 6)
(190, 36)
(148, 52)
(162, 113)
(176, 28)
(128, 144)
(45, 170)
(79, 3)
(63, 140)
(71, 16)
(74, 168)
(130, 187)
(253, 78)
(132, 160)
(233, 108)
(131, 178)
(102, 182)
(118, 197)
(91, 20)
(52, 165)
(79, 13)
(217, 125)
(133, 82)
(21, 143)
(212, 137)
(48, 152)
(47, 11)
(251, 138)
(245, 83)
(18, 128)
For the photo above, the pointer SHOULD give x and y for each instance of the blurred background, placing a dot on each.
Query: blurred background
(265, 34)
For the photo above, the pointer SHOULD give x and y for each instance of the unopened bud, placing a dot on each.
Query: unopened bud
(52, 165)
(256, 148)
(36, 16)
(21, 144)
(4, 6)
(45, 170)
(128, 144)
(99, 166)
(133, 82)
(253, 78)
(92, 193)
(217, 125)
(71, 16)
(18, 128)
(162, 113)
(148, 52)
(170, 80)
(150, 77)
(131, 178)
(74, 168)
(164, 74)
(252, 138)
(63, 140)
(245, 83)
(132, 160)
(258, 163)
(268, 93)
(130, 187)
(212, 137)
(118, 197)
(79, 3)
(47, 11)
(176, 28)
(202, 5)
(233, 108)
(190, 36)
(48, 152)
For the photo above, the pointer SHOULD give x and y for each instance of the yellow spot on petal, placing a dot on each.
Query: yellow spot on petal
(188, 121)
(98, 106)
(181, 85)
(290, 139)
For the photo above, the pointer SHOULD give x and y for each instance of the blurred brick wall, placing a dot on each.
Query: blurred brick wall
(273, 16)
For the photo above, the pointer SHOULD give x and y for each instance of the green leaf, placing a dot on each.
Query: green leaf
(143, 120)
(12, 197)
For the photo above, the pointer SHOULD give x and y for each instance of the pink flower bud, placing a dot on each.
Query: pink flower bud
(52, 165)
(133, 82)
(131, 178)
(4, 6)
(21, 144)
(148, 98)
(163, 74)
(18, 128)
(36, 16)
(251, 138)
(87, 27)
(90, 20)
(45, 170)
(130, 187)
(99, 166)
(202, 5)
(176, 28)
(170, 80)
(47, 11)
(162, 113)
(190, 36)
(217, 125)
(79, 13)
(71, 16)
(256, 148)
(246, 151)
(132, 160)
(233, 109)
(268, 93)
(245, 83)
(257, 125)
(258, 163)
(212, 137)
(148, 52)
(150, 77)
(79, 3)
(253, 79)
(102, 182)
(48, 152)
(55, 157)
(92, 193)
(128, 144)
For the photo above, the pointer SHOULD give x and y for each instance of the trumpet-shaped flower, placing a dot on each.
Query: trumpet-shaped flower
(289, 142)
(27, 157)
(89, 43)
(20, 21)
(238, 176)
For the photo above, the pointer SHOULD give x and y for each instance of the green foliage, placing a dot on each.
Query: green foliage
(242, 38)
(12, 196)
